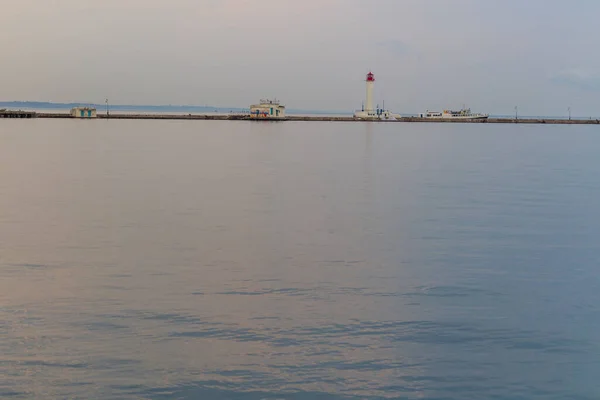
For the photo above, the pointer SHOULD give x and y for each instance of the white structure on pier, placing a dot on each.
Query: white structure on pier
(267, 109)
(369, 111)
(83, 112)
(370, 85)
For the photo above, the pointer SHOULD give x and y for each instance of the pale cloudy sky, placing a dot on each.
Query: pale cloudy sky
(542, 55)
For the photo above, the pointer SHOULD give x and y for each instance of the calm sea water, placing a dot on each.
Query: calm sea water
(237, 260)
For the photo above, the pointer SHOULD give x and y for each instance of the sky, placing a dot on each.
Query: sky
(491, 55)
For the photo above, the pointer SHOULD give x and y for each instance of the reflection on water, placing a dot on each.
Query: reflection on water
(159, 260)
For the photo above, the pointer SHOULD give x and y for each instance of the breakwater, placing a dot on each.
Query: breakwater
(324, 118)
(552, 121)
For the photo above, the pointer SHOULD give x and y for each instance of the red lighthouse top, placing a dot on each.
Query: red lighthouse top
(370, 77)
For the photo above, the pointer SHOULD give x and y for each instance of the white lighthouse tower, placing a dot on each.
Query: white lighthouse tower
(370, 85)
(369, 111)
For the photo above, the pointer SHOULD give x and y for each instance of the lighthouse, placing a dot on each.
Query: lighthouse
(370, 84)
(369, 112)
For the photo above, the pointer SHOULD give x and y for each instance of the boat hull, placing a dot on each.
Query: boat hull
(459, 118)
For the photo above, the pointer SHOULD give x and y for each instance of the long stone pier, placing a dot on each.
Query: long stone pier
(324, 118)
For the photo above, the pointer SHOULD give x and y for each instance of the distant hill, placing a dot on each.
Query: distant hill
(40, 105)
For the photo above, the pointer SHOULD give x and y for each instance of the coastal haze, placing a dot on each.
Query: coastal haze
(296, 260)
(312, 54)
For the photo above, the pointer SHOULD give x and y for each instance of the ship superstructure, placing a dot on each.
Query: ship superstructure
(464, 113)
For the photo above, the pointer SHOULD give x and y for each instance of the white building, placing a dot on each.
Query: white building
(267, 109)
(369, 111)
(83, 112)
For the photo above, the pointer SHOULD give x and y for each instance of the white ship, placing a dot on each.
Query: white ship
(465, 113)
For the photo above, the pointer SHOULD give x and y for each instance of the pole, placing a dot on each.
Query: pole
(569, 109)
(107, 113)
(516, 113)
